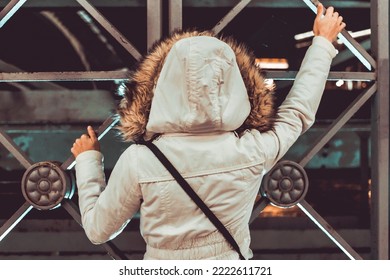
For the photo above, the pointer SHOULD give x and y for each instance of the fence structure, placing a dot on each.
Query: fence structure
(42, 179)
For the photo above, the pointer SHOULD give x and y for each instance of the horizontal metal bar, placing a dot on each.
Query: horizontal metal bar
(230, 16)
(333, 76)
(275, 3)
(328, 230)
(77, 76)
(110, 247)
(258, 207)
(353, 4)
(124, 76)
(14, 149)
(338, 123)
(6, 67)
(9, 10)
(107, 125)
(14, 220)
(38, 128)
(121, 39)
(72, 107)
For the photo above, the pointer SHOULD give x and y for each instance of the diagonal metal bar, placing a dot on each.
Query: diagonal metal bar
(333, 76)
(349, 42)
(230, 16)
(328, 230)
(258, 207)
(123, 76)
(357, 49)
(345, 55)
(338, 123)
(110, 247)
(10, 145)
(77, 76)
(9, 10)
(106, 126)
(14, 220)
(110, 29)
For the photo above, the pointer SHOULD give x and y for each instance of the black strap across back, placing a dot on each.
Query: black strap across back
(187, 188)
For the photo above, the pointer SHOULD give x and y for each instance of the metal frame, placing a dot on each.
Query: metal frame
(349, 42)
(380, 132)
(189, 3)
(380, 211)
(380, 120)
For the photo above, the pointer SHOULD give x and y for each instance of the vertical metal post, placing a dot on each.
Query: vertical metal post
(154, 21)
(380, 133)
(175, 14)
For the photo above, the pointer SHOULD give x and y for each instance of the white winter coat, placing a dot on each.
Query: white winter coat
(207, 102)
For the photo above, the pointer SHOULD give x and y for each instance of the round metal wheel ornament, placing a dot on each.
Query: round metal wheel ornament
(45, 185)
(286, 184)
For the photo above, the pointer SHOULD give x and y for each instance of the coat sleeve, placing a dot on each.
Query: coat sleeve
(297, 113)
(106, 209)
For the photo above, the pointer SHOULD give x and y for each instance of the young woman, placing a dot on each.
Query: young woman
(205, 106)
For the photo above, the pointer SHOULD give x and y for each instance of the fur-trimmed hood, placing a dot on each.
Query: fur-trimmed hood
(200, 84)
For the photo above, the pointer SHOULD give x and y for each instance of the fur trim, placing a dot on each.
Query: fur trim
(134, 108)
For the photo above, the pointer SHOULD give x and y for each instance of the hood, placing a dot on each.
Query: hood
(192, 82)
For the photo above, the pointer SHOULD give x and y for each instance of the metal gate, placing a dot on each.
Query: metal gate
(285, 185)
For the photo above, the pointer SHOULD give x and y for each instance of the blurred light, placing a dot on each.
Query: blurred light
(357, 34)
(269, 82)
(272, 63)
(339, 83)
(369, 194)
(304, 35)
(349, 85)
(121, 89)
(274, 211)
